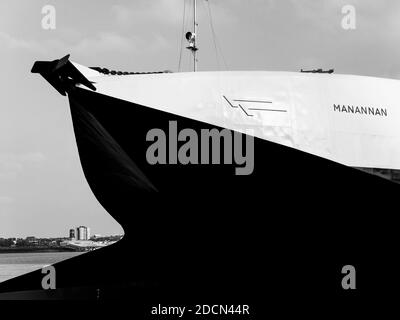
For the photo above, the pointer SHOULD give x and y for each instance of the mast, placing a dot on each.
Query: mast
(195, 34)
(191, 37)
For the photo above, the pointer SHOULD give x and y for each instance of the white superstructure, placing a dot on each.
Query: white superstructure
(353, 120)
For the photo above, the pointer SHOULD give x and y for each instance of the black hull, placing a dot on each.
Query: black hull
(200, 233)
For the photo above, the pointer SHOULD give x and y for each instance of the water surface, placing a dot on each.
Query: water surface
(16, 264)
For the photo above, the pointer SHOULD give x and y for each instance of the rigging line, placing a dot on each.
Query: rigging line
(183, 31)
(214, 34)
(222, 55)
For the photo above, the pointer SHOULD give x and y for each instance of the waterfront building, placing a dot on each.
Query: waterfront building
(82, 233)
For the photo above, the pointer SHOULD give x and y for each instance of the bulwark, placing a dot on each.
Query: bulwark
(360, 110)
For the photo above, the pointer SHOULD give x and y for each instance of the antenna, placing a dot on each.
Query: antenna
(191, 37)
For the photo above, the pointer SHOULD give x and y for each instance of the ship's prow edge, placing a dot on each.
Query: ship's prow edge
(61, 74)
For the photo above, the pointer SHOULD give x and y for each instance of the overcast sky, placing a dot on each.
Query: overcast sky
(42, 188)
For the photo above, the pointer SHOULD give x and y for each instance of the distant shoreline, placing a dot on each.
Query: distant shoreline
(35, 249)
